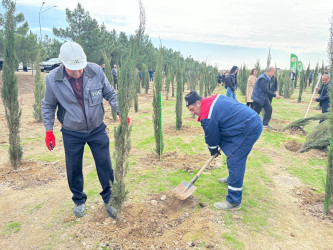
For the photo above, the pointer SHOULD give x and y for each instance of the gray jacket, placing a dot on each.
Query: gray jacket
(59, 93)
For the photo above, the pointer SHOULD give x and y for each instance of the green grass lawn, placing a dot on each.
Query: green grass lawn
(257, 205)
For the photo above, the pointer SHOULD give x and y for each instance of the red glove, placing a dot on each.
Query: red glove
(50, 140)
(128, 120)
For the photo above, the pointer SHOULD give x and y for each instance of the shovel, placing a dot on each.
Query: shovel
(185, 189)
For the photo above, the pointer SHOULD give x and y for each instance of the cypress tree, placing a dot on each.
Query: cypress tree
(179, 100)
(173, 83)
(109, 76)
(329, 176)
(302, 86)
(315, 76)
(126, 91)
(156, 103)
(201, 83)
(258, 68)
(167, 82)
(39, 91)
(137, 92)
(287, 89)
(9, 91)
(145, 78)
(122, 132)
(242, 79)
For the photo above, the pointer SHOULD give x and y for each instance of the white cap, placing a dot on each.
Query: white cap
(72, 56)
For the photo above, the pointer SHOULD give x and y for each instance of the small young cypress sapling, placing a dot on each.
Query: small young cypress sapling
(9, 90)
(315, 77)
(179, 99)
(156, 103)
(125, 95)
(329, 175)
(167, 82)
(145, 78)
(39, 91)
(302, 85)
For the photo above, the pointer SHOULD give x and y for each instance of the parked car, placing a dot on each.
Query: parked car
(49, 64)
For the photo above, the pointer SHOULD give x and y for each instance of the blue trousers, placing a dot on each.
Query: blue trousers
(236, 163)
(231, 94)
(98, 142)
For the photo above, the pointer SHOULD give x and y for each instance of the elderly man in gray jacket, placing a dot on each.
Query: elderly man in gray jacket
(77, 89)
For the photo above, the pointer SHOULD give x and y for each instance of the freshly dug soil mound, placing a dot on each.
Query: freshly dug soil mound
(293, 145)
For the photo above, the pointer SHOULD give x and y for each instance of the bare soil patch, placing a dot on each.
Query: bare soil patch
(175, 161)
(186, 130)
(160, 222)
(295, 131)
(30, 174)
(293, 145)
(313, 203)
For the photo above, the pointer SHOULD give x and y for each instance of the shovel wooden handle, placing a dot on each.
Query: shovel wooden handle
(201, 170)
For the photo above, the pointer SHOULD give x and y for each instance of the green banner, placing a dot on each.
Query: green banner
(299, 67)
(293, 62)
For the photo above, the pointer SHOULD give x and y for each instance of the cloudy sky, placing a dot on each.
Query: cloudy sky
(223, 32)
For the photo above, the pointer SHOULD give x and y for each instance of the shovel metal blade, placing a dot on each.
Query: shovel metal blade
(183, 191)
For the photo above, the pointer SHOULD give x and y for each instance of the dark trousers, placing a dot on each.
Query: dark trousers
(268, 110)
(151, 78)
(115, 82)
(324, 109)
(250, 104)
(98, 142)
(236, 163)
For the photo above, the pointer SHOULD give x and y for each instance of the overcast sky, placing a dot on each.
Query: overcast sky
(223, 32)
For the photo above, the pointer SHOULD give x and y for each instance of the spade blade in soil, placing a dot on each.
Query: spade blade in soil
(183, 191)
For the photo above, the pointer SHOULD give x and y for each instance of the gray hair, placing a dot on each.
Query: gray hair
(269, 69)
(327, 75)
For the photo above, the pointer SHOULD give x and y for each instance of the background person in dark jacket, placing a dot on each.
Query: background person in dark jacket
(310, 77)
(151, 75)
(261, 94)
(219, 78)
(234, 128)
(273, 87)
(231, 82)
(323, 99)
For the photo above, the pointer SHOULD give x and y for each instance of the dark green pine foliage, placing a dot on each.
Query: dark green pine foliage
(179, 99)
(39, 91)
(243, 76)
(125, 95)
(9, 90)
(107, 62)
(286, 88)
(158, 82)
(212, 80)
